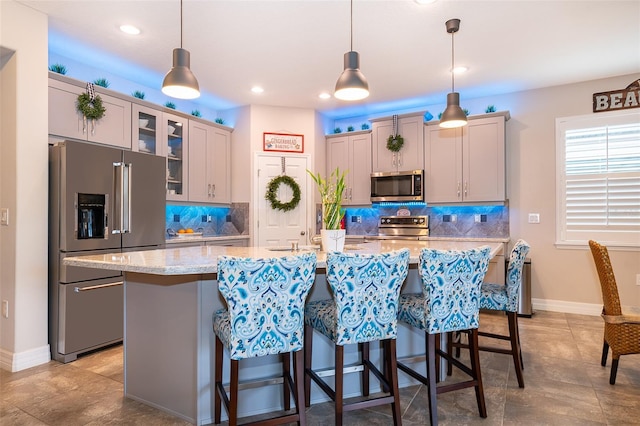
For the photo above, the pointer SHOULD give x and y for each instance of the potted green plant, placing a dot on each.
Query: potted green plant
(331, 192)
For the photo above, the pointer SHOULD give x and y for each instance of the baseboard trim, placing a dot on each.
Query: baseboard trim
(17, 361)
(567, 307)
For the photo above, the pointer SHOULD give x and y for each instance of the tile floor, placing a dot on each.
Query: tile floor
(565, 385)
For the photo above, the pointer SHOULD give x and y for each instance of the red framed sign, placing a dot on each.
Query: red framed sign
(283, 142)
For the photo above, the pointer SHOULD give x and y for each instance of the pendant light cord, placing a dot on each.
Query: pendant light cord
(351, 48)
(180, 24)
(452, 62)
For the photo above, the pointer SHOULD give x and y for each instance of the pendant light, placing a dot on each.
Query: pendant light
(352, 84)
(180, 81)
(453, 115)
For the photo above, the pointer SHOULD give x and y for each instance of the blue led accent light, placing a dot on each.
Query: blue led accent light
(394, 204)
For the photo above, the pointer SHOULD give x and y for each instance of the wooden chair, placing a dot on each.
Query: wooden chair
(363, 309)
(265, 300)
(621, 331)
(449, 302)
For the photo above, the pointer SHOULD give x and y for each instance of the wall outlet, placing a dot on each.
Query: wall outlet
(454, 218)
(637, 279)
(4, 217)
(5, 308)
(209, 218)
(476, 218)
(534, 217)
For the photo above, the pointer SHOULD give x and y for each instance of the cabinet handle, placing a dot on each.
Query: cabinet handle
(393, 162)
(213, 190)
(84, 124)
(209, 190)
(466, 184)
(399, 159)
(93, 127)
(350, 193)
(458, 189)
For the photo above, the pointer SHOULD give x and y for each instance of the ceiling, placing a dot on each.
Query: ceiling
(294, 49)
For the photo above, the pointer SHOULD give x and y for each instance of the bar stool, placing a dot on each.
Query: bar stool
(498, 297)
(449, 302)
(363, 309)
(265, 300)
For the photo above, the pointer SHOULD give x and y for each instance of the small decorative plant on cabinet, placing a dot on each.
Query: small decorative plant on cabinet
(331, 192)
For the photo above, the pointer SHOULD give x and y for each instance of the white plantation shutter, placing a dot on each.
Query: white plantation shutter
(599, 179)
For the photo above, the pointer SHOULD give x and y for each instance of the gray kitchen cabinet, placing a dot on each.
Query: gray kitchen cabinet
(411, 156)
(184, 244)
(231, 242)
(114, 128)
(147, 130)
(352, 152)
(209, 163)
(177, 148)
(466, 164)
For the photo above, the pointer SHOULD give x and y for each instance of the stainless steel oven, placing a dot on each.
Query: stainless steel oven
(403, 227)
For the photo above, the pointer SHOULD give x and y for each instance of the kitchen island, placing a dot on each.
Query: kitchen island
(170, 296)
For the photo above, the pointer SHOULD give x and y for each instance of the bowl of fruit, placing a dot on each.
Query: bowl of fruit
(188, 232)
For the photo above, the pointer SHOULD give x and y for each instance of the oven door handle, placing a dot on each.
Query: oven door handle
(97, 287)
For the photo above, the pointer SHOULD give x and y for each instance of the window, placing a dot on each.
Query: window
(598, 187)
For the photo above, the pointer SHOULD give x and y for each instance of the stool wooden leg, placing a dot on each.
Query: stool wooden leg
(339, 379)
(392, 377)
(286, 373)
(515, 346)
(233, 393)
(298, 371)
(218, 381)
(308, 342)
(364, 351)
(431, 377)
(474, 356)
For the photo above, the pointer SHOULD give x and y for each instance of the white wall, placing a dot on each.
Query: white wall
(24, 340)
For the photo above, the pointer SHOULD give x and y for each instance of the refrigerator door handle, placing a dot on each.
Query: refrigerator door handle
(118, 205)
(127, 169)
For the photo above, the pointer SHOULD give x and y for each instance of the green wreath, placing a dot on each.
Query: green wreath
(394, 143)
(272, 193)
(93, 110)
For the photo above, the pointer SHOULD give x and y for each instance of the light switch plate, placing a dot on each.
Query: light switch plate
(534, 217)
(4, 216)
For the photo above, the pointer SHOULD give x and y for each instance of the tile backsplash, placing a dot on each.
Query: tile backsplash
(211, 221)
(444, 221)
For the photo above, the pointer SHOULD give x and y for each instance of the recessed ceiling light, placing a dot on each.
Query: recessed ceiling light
(129, 29)
(460, 70)
(425, 1)
(257, 89)
(324, 95)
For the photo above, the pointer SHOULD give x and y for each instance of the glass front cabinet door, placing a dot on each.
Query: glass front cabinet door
(176, 145)
(147, 133)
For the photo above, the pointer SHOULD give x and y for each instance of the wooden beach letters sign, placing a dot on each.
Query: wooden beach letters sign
(618, 99)
(283, 142)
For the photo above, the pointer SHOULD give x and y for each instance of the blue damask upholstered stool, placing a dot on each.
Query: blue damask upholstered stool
(449, 302)
(498, 297)
(265, 300)
(363, 309)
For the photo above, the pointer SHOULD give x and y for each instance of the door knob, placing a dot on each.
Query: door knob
(302, 233)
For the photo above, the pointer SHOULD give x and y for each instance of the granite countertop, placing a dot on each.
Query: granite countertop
(204, 238)
(203, 259)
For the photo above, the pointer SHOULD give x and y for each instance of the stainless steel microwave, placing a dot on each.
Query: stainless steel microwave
(397, 186)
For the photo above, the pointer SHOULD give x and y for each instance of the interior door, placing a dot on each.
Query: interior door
(276, 227)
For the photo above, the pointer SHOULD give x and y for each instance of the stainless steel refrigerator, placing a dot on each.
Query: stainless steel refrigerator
(101, 200)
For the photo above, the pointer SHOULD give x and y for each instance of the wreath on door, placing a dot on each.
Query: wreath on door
(272, 193)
